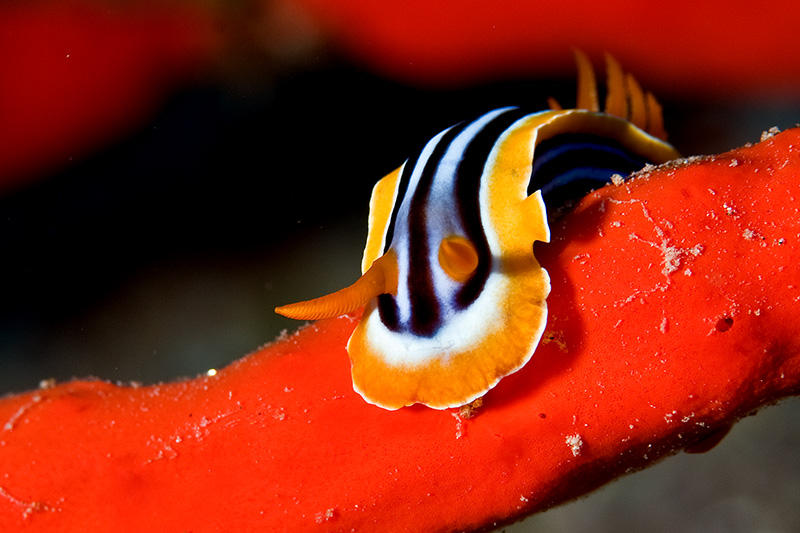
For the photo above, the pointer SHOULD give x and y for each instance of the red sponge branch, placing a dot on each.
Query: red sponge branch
(674, 312)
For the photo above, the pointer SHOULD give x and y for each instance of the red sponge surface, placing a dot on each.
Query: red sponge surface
(674, 312)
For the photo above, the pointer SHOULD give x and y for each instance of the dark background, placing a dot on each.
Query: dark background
(162, 253)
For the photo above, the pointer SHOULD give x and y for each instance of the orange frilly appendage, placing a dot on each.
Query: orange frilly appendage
(380, 278)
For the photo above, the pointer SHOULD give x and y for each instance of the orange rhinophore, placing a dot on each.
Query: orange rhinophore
(381, 278)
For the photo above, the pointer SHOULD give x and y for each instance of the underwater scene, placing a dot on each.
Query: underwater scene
(303, 265)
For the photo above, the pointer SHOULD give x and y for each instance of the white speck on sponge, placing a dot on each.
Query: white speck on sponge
(770, 133)
(325, 516)
(575, 443)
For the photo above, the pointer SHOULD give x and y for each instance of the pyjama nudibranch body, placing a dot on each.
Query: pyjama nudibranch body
(455, 299)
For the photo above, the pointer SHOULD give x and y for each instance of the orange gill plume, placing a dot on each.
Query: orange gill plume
(381, 278)
(587, 86)
(625, 97)
(627, 100)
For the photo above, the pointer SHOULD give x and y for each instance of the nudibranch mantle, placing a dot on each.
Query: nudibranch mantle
(463, 345)
(455, 299)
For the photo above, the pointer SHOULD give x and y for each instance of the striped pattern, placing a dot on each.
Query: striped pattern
(568, 166)
(449, 343)
(440, 192)
(438, 196)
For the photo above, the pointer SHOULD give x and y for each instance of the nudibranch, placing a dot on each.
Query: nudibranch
(454, 298)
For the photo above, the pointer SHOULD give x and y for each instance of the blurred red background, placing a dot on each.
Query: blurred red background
(76, 73)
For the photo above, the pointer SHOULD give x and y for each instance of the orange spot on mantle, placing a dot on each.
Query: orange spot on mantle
(637, 368)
